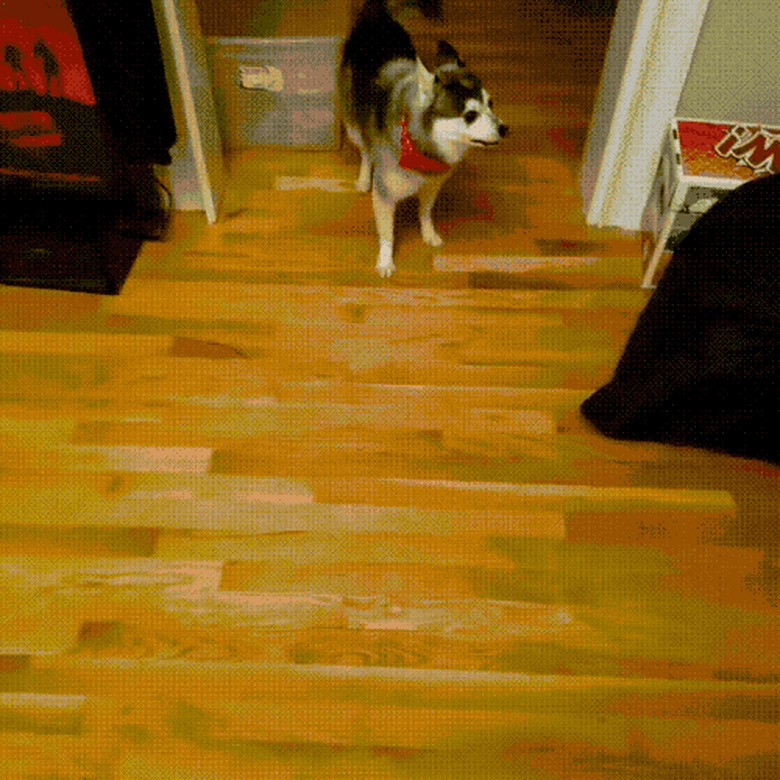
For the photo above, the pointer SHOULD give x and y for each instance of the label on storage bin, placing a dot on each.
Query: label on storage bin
(261, 77)
(727, 150)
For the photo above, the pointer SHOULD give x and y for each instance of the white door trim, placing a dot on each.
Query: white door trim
(660, 53)
(197, 167)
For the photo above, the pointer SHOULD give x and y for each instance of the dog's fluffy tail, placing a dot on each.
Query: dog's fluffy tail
(375, 40)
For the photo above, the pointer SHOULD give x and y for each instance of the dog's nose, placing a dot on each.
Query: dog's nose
(503, 130)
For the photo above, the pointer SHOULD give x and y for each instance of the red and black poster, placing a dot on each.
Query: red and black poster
(49, 122)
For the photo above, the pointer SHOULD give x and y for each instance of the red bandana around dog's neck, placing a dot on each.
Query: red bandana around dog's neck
(412, 157)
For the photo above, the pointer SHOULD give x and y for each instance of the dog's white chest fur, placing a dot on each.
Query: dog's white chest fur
(393, 181)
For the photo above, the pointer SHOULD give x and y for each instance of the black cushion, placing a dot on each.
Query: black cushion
(702, 365)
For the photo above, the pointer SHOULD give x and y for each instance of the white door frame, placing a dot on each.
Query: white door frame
(196, 170)
(647, 62)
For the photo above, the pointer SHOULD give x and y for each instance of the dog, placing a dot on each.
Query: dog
(411, 125)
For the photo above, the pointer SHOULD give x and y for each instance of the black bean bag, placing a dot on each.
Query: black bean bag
(701, 367)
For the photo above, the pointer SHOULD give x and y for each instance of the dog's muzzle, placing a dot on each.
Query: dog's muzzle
(502, 130)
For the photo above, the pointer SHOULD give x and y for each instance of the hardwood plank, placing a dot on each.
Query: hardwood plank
(198, 425)
(380, 363)
(41, 714)
(526, 331)
(205, 683)
(241, 384)
(64, 736)
(63, 506)
(179, 500)
(76, 540)
(270, 308)
(190, 460)
(504, 608)
(104, 344)
(24, 756)
(296, 440)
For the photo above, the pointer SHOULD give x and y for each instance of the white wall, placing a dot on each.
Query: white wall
(735, 71)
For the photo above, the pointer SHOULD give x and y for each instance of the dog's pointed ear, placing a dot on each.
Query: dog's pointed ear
(446, 55)
(425, 82)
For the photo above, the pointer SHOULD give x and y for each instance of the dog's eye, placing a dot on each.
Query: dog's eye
(471, 116)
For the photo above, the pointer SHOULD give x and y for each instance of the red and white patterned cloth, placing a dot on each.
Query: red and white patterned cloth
(412, 157)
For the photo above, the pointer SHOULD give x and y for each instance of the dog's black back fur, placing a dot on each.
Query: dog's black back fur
(375, 40)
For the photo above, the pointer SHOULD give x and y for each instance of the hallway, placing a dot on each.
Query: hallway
(265, 515)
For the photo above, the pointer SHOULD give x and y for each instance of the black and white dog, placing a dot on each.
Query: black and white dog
(411, 125)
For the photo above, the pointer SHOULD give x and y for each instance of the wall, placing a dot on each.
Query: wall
(275, 18)
(735, 71)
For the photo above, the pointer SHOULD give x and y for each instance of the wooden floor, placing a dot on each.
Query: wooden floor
(265, 515)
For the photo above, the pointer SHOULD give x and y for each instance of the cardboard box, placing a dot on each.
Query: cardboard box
(276, 91)
(700, 163)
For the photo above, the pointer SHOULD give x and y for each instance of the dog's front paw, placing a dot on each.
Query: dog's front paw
(385, 268)
(431, 237)
(384, 262)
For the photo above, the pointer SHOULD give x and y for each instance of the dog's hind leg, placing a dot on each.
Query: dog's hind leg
(427, 196)
(363, 183)
(384, 214)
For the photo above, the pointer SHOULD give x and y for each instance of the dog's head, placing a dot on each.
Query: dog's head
(460, 109)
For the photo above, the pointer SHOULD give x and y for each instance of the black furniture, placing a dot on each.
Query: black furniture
(702, 366)
(84, 117)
